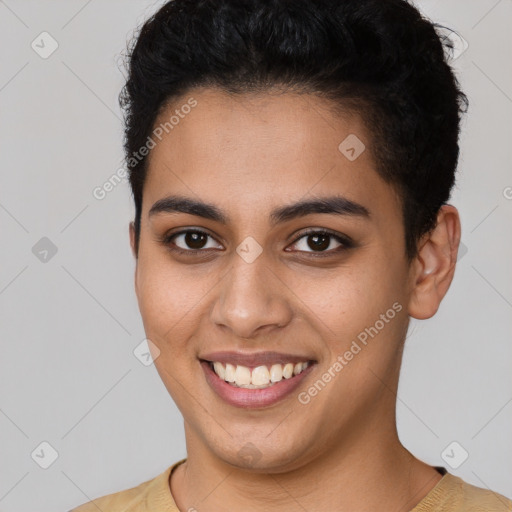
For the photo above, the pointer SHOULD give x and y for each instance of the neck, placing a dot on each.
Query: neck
(362, 473)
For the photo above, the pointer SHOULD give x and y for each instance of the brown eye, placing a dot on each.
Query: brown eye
(195, 240)
(322, 241)
(190, 240)
(318, 242)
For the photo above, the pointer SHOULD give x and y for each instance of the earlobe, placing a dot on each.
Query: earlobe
(434, 266)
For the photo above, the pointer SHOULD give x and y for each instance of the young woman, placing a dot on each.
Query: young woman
(291, 163)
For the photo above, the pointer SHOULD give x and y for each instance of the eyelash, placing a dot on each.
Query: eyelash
(346, 242)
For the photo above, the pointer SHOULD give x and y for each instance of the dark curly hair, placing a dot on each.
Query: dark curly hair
(378, 58)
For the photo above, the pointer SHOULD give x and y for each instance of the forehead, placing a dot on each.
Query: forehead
(252, 150)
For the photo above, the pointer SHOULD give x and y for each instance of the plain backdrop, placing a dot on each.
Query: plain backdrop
(69, 322)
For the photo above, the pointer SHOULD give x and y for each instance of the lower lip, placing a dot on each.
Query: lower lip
(253, 398)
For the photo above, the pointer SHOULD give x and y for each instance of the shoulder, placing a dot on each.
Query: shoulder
(452, 494)
(118, 501)
(477, 499)
(139, 498)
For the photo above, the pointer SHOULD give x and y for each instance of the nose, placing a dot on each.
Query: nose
(251, 299)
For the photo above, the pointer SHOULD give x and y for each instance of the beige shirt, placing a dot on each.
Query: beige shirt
(451, 494)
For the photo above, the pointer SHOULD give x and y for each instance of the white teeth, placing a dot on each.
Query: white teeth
(276, 373)
(219, 370)
(242, 375)
(260, 377)
(230, 373)
(288, 370)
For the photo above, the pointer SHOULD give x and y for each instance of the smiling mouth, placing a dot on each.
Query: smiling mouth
(259, 377)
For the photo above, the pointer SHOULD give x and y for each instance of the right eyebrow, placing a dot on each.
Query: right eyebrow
(178, 204)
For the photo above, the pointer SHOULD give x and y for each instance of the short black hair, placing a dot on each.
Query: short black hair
(379, 58)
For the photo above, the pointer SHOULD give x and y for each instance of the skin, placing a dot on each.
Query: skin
(249, 154)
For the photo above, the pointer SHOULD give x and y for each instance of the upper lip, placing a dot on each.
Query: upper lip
(254, 359)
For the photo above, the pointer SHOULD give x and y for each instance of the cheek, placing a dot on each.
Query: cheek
(361, 312)
(350, 297)
(167, 299)
(165, 288)
(169, 305)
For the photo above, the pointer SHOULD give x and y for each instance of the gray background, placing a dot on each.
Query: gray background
(69, 324)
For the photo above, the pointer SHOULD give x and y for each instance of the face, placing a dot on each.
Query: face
(256, 280)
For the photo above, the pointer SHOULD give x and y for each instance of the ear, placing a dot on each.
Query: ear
(131, 230)
(434, 266)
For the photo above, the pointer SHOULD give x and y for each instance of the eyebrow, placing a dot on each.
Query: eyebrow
(337, 205)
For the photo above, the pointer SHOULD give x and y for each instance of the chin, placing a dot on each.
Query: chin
(259, 454)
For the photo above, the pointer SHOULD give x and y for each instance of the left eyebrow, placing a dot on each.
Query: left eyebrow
(337, 205)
